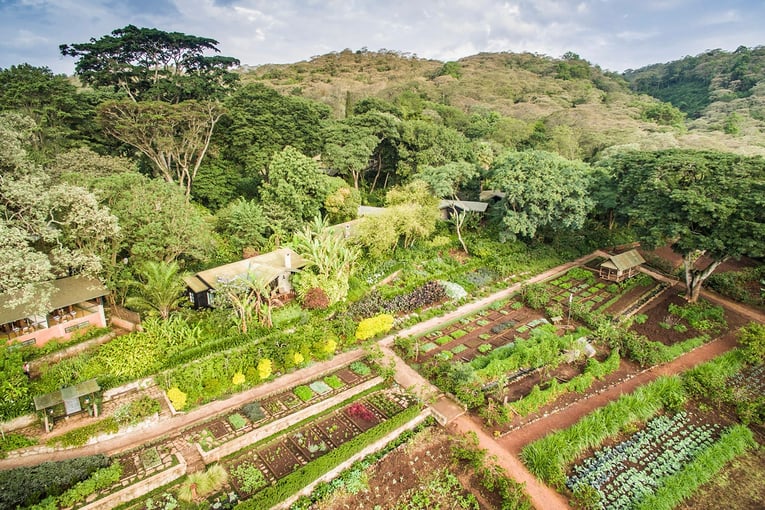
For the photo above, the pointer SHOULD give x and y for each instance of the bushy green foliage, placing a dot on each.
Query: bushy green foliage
(751, 338)
(702, 316)
(13, 441)
(29, 485)
(136, 410)
(80, 436)
(249, 477)
(99, 480)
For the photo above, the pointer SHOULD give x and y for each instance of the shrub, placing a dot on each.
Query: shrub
(253, 412)
(26, 486)
(265, 366)
(536, 295)
(249, 477)
(334, 382)
(359, 410)
(237, 421)
(177, 398)
(136, 411)
(238, 379)
(99, 480)
(484, 348)
(751, 338)
(12, 441)
(373, 326)
(80, 436)
(330, 345)
(204, 483)
(316, 299)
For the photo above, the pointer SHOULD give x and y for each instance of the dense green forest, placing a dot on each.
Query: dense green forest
(718, 90)
(157, 153)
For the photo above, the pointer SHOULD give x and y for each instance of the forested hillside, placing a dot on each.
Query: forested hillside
(566, 105)
(718, 90)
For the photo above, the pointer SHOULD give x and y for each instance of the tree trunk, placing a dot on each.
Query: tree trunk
(694, 278)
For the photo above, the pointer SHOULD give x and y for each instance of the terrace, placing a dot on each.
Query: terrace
(75, 303)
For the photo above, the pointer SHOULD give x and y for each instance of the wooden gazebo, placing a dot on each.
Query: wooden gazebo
(621, 267)
(71, 398)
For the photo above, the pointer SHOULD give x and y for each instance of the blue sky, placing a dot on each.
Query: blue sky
(615, 34)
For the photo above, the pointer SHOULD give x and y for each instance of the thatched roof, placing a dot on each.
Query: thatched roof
(624, 261)
(65, 292)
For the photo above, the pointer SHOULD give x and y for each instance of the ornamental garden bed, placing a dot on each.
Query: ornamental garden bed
(229, 426)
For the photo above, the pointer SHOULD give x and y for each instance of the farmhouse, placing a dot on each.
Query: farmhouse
(621, 267)
(75, 304)
(273, 269)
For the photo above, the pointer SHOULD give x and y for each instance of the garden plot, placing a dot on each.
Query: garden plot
(420, 472)
(284, 455)
(224, 428)
(598, 295)
(625, 473)
(672, 320)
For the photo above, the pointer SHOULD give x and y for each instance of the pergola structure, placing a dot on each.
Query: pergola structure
(70, 397)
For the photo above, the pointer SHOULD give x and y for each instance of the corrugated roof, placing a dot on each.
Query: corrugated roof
(66, 291)
(465, 205)
(624, 261)
(57, 397)
(264, 267)
(368, 210)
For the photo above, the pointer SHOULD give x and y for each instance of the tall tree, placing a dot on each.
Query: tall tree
(48, 228)
(541, 190)
(50, 100)
(348, 148)
(295, 190)
(702, 202)
(446, 182)
(150, 64)
(262, 122)
(175, 137)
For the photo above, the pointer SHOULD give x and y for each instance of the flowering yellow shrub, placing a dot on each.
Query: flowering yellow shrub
(237, 379)
(330, 345)
(297, 358)
(264, 368)
(177, 398)
(374, 326)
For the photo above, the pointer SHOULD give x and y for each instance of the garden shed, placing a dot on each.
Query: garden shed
(70, 399)
(620, 267)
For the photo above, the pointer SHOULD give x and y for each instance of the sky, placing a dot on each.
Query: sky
(614, 34)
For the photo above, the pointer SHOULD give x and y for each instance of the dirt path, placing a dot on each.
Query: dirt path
(471, 307)
(542, 497)
(514, 441)
(174, 426)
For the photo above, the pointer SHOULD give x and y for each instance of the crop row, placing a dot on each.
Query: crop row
(627, 472)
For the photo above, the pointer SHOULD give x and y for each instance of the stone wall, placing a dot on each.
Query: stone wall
(269, 429)
(139, 489)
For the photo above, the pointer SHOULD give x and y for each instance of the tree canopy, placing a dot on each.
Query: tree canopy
(541, 190)
(702, 202)
(150, 64)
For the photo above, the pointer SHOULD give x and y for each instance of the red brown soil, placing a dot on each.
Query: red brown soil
(406, 469)
(658, 311)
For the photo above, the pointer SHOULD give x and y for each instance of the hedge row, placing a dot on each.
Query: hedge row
(26, 486)
(305, 475)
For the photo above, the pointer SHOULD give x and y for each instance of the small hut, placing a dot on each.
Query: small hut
(621, 267)
(68, 401)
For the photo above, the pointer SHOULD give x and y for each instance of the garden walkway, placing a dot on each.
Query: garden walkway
(174, 426)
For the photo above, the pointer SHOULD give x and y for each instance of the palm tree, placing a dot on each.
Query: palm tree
(159, 288)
